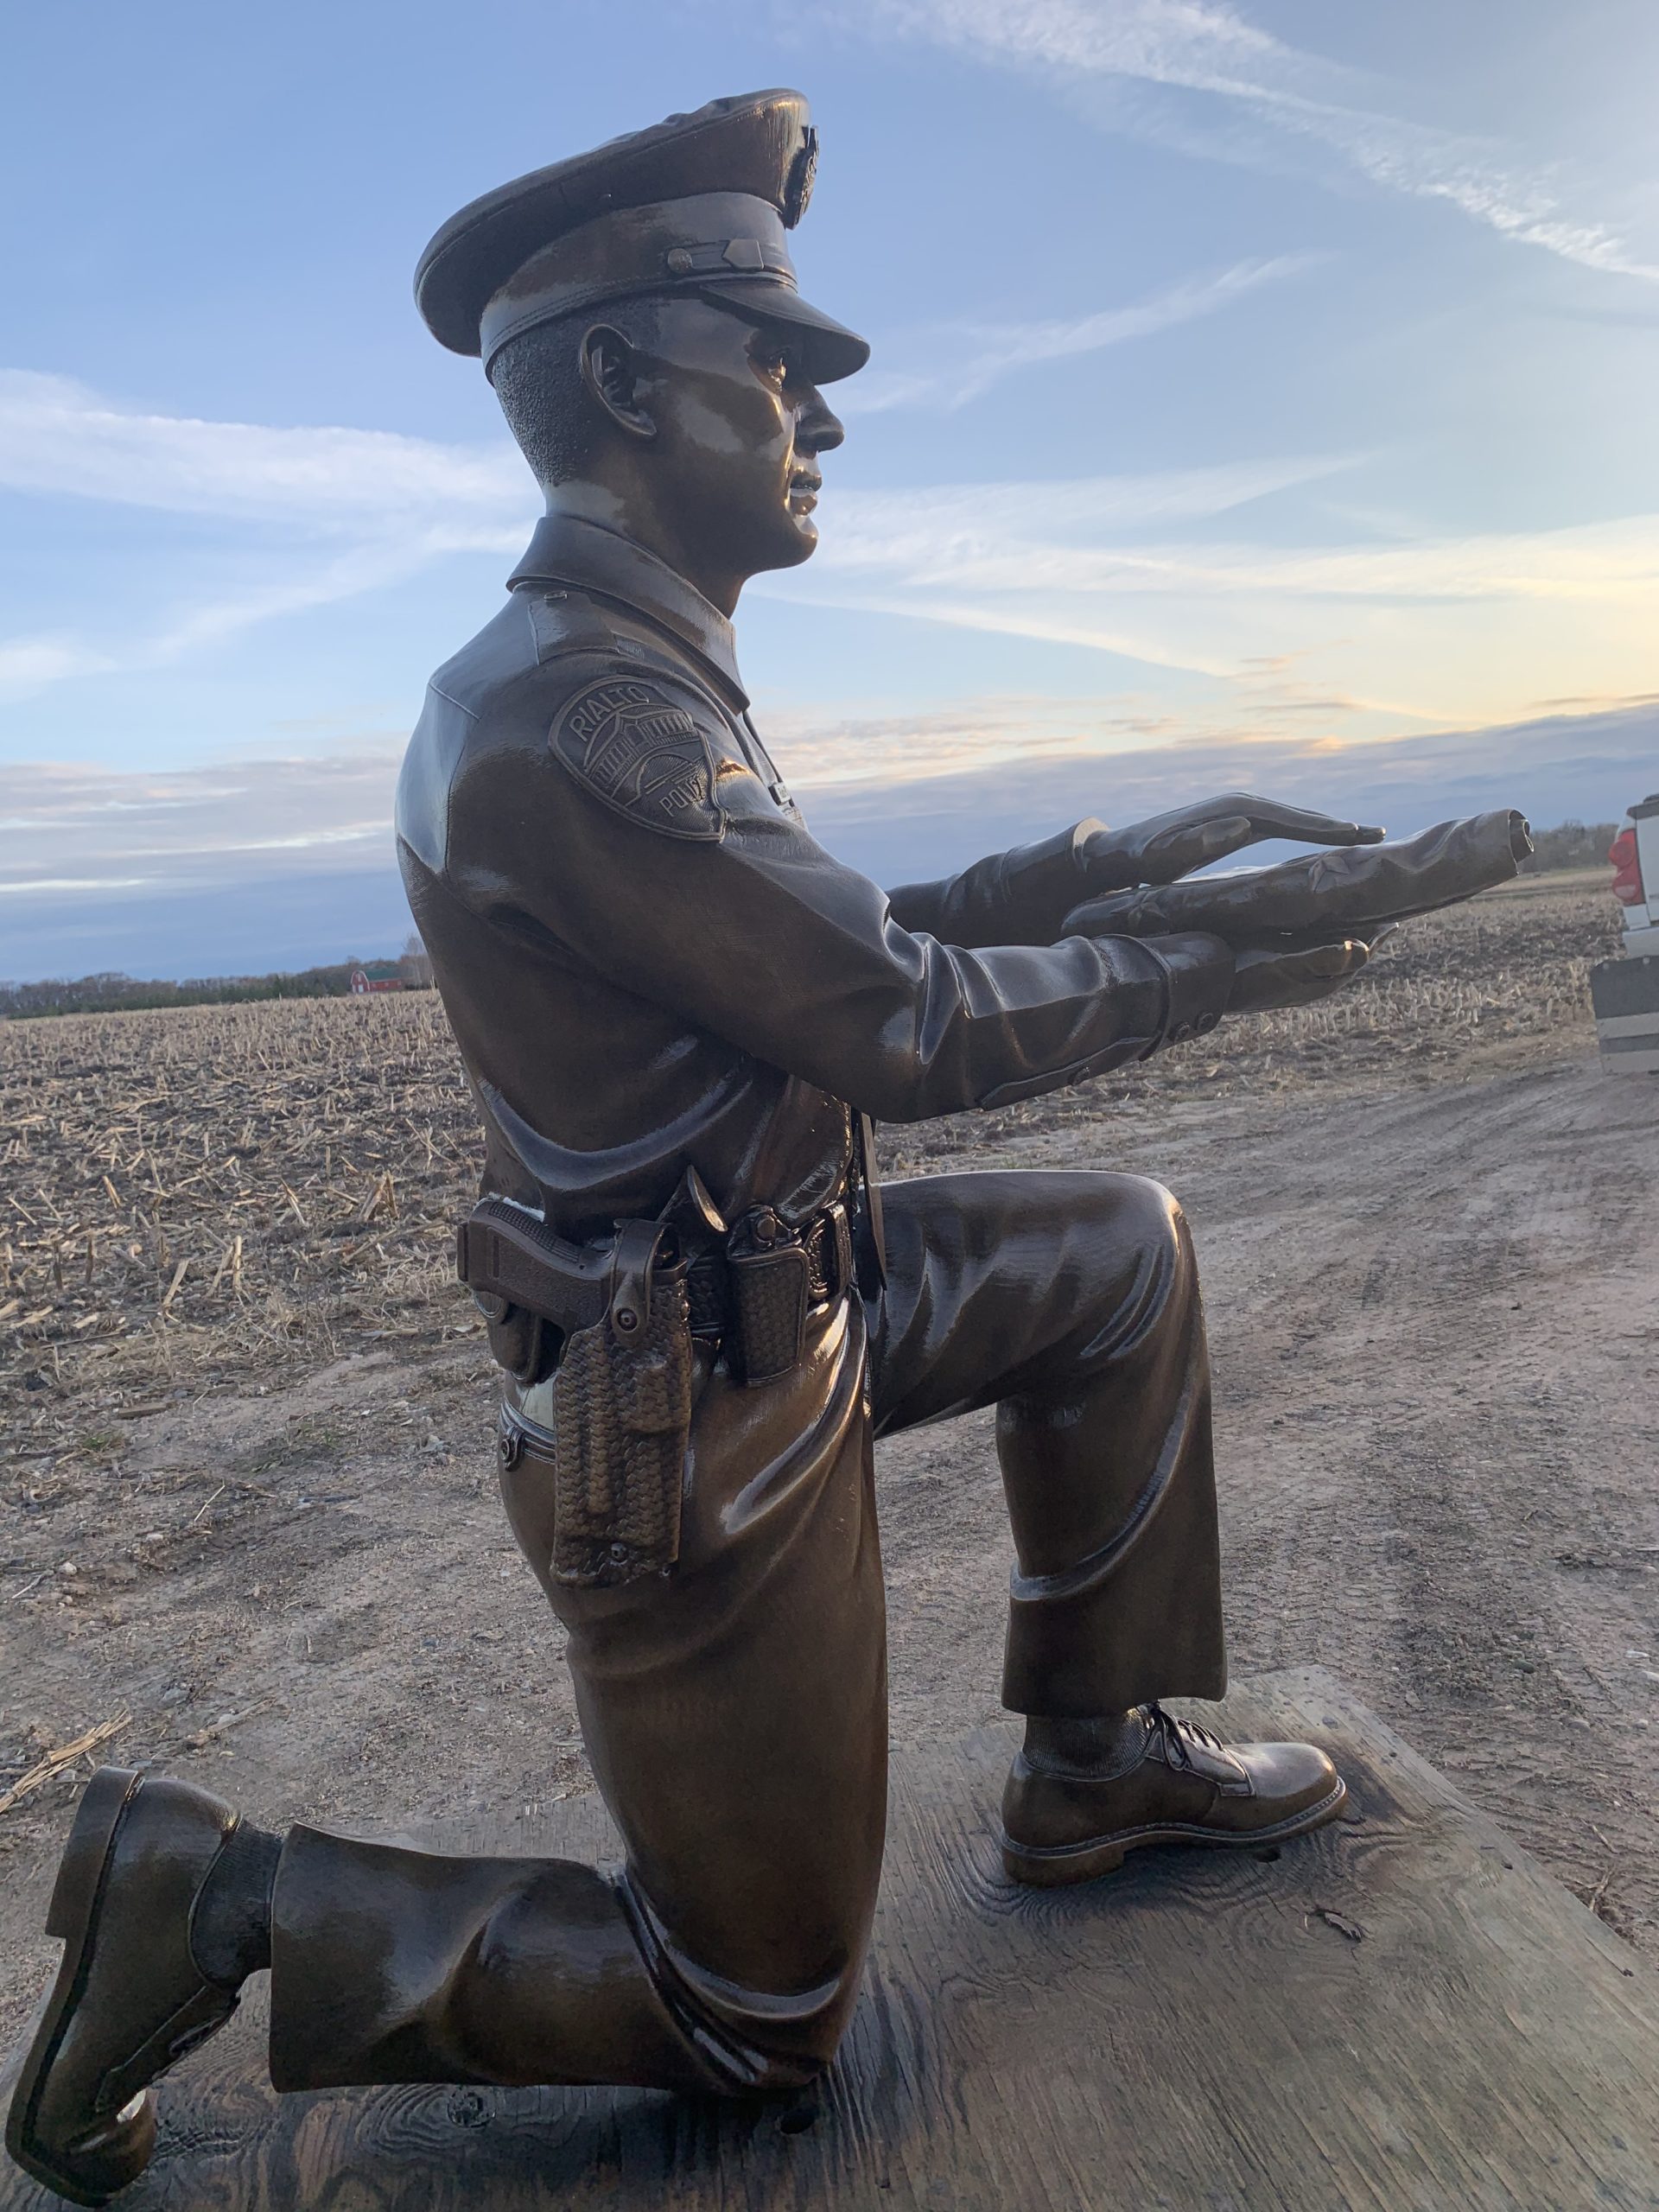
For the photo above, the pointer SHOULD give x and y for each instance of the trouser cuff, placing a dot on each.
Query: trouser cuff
(394, 1964)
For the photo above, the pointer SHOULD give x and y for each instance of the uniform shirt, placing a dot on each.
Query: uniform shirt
(650, 965)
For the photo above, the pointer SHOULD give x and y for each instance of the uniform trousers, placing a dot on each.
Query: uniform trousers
(735, 1709)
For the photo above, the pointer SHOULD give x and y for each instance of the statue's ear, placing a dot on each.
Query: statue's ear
(610, 372)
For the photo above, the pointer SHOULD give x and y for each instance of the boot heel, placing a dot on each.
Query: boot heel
(96, 1818)
(1054, 1869)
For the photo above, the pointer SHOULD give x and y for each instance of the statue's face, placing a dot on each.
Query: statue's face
(739, 428)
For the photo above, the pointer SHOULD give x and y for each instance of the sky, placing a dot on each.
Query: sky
(1260, 395)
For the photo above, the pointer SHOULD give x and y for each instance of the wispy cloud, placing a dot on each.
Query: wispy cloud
(323, 573)
(975, 356)
(1370, 632)
(343, 513)
(1186, 47)
(941, 526)
(58, 437)
(1023, 539)
(30, 664)
(1389, 621)
(227, 825)
(340, 511)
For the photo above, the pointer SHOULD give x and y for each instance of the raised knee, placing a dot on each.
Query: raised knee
(1140, 1272)
(1139, 1212)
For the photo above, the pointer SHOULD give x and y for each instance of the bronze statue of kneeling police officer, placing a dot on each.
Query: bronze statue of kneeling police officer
(678, 1016)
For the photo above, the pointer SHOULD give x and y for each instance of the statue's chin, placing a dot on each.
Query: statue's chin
(803, 538)
(786, 548)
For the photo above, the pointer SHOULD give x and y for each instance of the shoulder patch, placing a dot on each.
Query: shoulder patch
(641, 752)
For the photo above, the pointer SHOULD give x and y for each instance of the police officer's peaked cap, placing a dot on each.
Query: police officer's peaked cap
(699, 204)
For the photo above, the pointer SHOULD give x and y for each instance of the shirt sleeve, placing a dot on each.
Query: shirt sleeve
(1020, 897)
(633, 838)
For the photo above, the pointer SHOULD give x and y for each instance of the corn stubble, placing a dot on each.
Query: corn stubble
(212, 1198)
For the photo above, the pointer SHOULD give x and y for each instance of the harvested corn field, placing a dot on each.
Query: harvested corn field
(213, 1192)
(248, 1526)
(218, 1188)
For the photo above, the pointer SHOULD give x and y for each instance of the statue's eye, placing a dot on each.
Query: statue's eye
(779, 363)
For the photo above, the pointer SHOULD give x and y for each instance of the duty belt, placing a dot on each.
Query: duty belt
(762, 1274)
(749, 1292)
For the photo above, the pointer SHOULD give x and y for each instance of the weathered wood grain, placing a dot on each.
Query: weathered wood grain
(1403, 2014)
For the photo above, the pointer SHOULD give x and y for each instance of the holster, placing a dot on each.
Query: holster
(621, 1417)
(615, 1321)
(613, 1325)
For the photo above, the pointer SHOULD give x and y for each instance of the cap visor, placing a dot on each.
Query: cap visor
(832, 350)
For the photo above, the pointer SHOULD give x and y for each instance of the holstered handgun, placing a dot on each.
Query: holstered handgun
(614, 1320)
(621, 1417)
(613, 1324)
(534, 1288)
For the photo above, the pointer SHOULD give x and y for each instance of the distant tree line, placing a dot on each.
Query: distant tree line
(1573, 844)
(109, 992)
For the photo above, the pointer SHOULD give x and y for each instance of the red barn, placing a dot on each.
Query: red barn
(376, 975)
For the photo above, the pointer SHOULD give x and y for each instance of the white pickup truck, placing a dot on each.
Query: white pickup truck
(1625, 992)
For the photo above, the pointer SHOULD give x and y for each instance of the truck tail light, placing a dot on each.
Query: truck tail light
(1627, 870)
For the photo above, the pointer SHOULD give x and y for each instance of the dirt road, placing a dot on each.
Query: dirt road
(1435, 1320)
(1434, 1309)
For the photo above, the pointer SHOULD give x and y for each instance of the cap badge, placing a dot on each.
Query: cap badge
(797, 187)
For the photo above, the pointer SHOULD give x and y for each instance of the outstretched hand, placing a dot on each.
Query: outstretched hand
(1174, 844)
(1316, 897)
(1265, 977)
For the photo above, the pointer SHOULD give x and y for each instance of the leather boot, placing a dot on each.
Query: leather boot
(130, 1998)
(1186, 1787)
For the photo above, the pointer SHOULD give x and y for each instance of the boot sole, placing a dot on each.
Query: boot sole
(1052, 1866)
(72, 1917)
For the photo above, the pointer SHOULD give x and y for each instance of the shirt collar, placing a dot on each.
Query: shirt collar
(568, 549)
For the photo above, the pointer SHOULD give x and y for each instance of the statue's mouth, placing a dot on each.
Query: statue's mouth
(804, 485)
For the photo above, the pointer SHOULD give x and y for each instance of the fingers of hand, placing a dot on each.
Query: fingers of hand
(1111, 916)
(1336, 961)
(1169, 846)
(1271, 820)
(1109, 860)
(1266, 978)
(1178, 850)
(1225, 835)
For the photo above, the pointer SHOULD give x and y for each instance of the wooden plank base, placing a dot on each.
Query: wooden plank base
(1400, 2011)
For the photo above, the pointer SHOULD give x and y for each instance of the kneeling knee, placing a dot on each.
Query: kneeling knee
(778, 2074)
(788, 2052)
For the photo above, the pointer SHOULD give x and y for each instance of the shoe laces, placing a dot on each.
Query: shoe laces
(1176, 1733)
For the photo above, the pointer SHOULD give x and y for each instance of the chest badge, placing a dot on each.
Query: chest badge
(642, 753)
